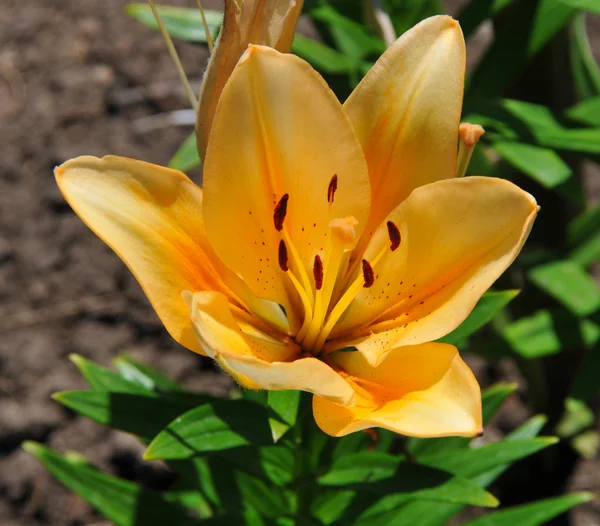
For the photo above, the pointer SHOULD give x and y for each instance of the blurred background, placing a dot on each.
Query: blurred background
(82, 77)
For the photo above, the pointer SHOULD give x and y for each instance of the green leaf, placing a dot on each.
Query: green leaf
(285, 405)
(218, 426)
(104, 380)
(518, 38)
(407, 13)
(577, 417)
(272, 463)
(140, 415)
(475, 13)
(541, 164)
(269, 500)
(492, 399)
(471, 462)
(120, 501)
(523, 121)
(584, 236)
(181, 22)
(547, 332)
(536, 514)
(328, 505)
(381, 473)
(587, 444)
(350, 37)
(423, 514)
(186, 158)
(570, 284)
(488, 306)
(586, 112)
(144, 375)
(322, 57)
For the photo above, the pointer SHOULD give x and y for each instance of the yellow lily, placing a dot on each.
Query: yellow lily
(266, 22)
(333, 244)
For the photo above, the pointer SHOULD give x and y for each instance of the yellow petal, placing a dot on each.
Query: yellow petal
(256, 359)
(457, 237)
(422, 391)
(267, 22)
(279, 130)
(151, 217)
(406, 112)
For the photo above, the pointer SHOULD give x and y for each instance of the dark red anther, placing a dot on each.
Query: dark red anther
(280, 212)
(394, 234)
(283, 256)
(368, 274)
(318, 272)
(332, 188)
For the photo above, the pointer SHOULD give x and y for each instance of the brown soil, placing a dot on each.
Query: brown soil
(76, 78)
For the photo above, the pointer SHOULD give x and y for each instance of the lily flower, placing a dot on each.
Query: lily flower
(331, 245)
(265, 22)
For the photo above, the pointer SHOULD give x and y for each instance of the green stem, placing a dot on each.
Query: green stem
(304, 472)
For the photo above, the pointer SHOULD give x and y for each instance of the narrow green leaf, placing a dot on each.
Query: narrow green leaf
(220, 425)
(140, 415)
(492, 399)
(104, 380)
(547, 332)
(591, 6)
(542, 164)
(586, 112)
(488, 306)
(285, 406)
(475, 461)
(517, 120)
(536, 514)
(586, 73)
(120, 501)
(351, 38)
(570, 284)
(381, 473)
(186, 158)
(181, 22)
(322, 57)
(148, 377)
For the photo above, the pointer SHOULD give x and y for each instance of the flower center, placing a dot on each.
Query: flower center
(335, 282)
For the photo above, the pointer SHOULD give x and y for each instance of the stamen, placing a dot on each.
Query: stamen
(469, 137)
(361, 281)
(283, 256)
(368, 274)
(332, 188)
(174, 57)
(318, 272)
(394, 234)
(280, 212)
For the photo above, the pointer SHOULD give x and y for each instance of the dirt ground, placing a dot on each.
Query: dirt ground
(79, 78)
